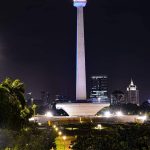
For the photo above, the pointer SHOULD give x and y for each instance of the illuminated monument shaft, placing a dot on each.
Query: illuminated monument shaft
(80, 68)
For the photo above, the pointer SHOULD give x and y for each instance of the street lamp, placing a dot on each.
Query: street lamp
(107, 114)
(32, 100)
(99, 126)
(119, 113)
(142, 118)
(64, 138)
(49, 114)
(56, 129)
(59, 133)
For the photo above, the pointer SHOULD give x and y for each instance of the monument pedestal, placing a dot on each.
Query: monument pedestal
(81, 109)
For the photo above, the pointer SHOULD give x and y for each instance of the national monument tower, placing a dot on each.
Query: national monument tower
(80, 109)
(80, 58)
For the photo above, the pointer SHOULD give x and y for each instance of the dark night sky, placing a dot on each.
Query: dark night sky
(38, 43)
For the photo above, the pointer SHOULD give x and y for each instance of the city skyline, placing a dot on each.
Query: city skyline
(38, 44)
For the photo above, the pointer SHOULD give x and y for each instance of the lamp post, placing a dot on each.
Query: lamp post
(64, 138)
(33, 107)
(56, 129)
(59, 133)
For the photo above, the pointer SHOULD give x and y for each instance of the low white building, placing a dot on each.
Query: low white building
(81, 109)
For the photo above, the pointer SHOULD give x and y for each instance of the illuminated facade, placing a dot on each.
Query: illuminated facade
(99, 88)
(81, 109)
(80, 58)
(132, 94)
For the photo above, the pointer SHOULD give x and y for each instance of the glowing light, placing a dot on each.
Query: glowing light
(80, 3)
(64, 138)
(56, 129)
(107, 114)
(99, 98)
(80, 120)
(54, 126)
(119, 113)
(48, 114)
(143, 118)
(99, 126)
(39, 123)
(59, 133)
(31, 119)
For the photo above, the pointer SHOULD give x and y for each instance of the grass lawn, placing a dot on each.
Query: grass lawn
(63, 144)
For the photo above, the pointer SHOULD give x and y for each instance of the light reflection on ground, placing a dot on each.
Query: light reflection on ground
(64, 144)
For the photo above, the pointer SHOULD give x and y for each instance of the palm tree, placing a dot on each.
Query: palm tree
(13, 109)
(16, 89)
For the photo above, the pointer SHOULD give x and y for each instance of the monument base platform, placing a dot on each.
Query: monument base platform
(81, 109)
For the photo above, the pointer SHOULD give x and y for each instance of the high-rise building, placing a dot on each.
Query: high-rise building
(132, 94)
(99, 88)
(117, 97)
(45, 97)
(80, 64)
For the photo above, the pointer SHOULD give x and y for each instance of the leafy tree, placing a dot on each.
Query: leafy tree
(14, 112)
(34, 139)
(6, 138)
(131, 109)
(117, 137)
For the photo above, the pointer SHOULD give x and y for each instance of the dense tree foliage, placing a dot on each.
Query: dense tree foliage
(14, 113)
(118, 137)
(129, 109)
(30, 138)
(6, 138)
(35, 139)
(16, 133)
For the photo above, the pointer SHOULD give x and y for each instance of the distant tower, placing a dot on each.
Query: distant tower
(132, 94)
(80, 58)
